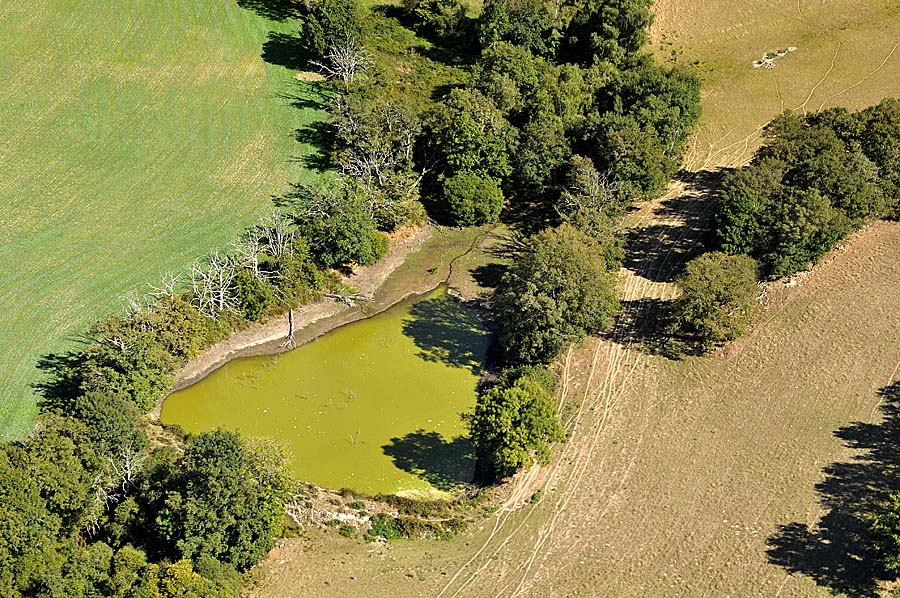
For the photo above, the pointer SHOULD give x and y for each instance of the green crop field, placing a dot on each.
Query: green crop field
(134, 137)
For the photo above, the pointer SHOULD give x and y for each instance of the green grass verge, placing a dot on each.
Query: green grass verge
(134, 138)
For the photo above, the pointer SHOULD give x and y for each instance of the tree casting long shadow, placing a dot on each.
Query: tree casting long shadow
(447, 331)
(838, 552)
(276, 10)
(444, 465)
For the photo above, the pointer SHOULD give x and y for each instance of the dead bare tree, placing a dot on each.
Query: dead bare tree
(588, 189)
(248, 250)
(135, 305)
(345, 60)
(348, 295)
(167, 286)
(212, 286)
(279, 241)
(112, 484)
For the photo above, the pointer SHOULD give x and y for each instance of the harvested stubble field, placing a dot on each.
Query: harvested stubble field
(847, 54)
(743, 473)
(134, 137)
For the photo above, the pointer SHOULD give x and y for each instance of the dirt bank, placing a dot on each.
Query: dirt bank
(418, 261)
(269, 337)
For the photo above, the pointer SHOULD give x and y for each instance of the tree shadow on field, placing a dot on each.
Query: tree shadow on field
(307, 97)
(285, 50)
(60, 386)
(319, 136)
(448, 331)
(837, 552)
(659, 252)
(428, 456)
(647, 324)
(275, 10)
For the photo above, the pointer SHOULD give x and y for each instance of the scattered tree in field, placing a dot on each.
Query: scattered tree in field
(473, 199)
(718, 294)
(559, 289)
(514, 423)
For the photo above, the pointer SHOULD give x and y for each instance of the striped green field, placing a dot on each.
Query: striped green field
(134, 137)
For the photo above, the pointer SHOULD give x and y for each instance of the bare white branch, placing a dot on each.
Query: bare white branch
(212, 286)
(345, 61)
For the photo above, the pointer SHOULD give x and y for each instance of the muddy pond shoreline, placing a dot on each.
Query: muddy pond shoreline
(376, 406)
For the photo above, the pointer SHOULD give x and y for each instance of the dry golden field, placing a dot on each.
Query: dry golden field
(742, 473)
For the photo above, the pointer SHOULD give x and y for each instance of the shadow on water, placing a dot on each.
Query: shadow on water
(428, 456)
(448, 331)
(837, 552)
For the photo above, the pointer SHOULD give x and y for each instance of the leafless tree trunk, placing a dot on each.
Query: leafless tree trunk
(278, 239)
(212, 286)
(289, 339)
(588, 189)
(112, 485)
(345, 61)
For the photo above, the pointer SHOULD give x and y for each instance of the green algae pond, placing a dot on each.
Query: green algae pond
(374, 405)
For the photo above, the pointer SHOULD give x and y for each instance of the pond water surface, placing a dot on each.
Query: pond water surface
(374, 405)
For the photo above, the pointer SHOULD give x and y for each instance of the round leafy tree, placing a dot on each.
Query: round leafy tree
(472, 199)
(718, 292)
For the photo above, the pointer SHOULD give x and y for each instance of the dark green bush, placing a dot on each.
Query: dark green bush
(718, 296)
(473, 199)
(557, 290)
(514, 423)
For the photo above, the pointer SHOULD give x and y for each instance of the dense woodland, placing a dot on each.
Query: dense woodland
(551, 117)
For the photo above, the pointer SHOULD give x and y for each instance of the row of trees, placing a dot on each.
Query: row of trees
(816, 178)
(570, 121)
(88, 508)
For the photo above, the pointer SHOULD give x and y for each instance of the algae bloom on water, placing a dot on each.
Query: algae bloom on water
(374, 405)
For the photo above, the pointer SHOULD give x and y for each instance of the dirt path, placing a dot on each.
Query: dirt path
(679, 478)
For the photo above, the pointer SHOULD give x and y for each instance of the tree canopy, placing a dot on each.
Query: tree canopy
(514, 423)
(558, 289)
(816, 178)
(718, 295)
